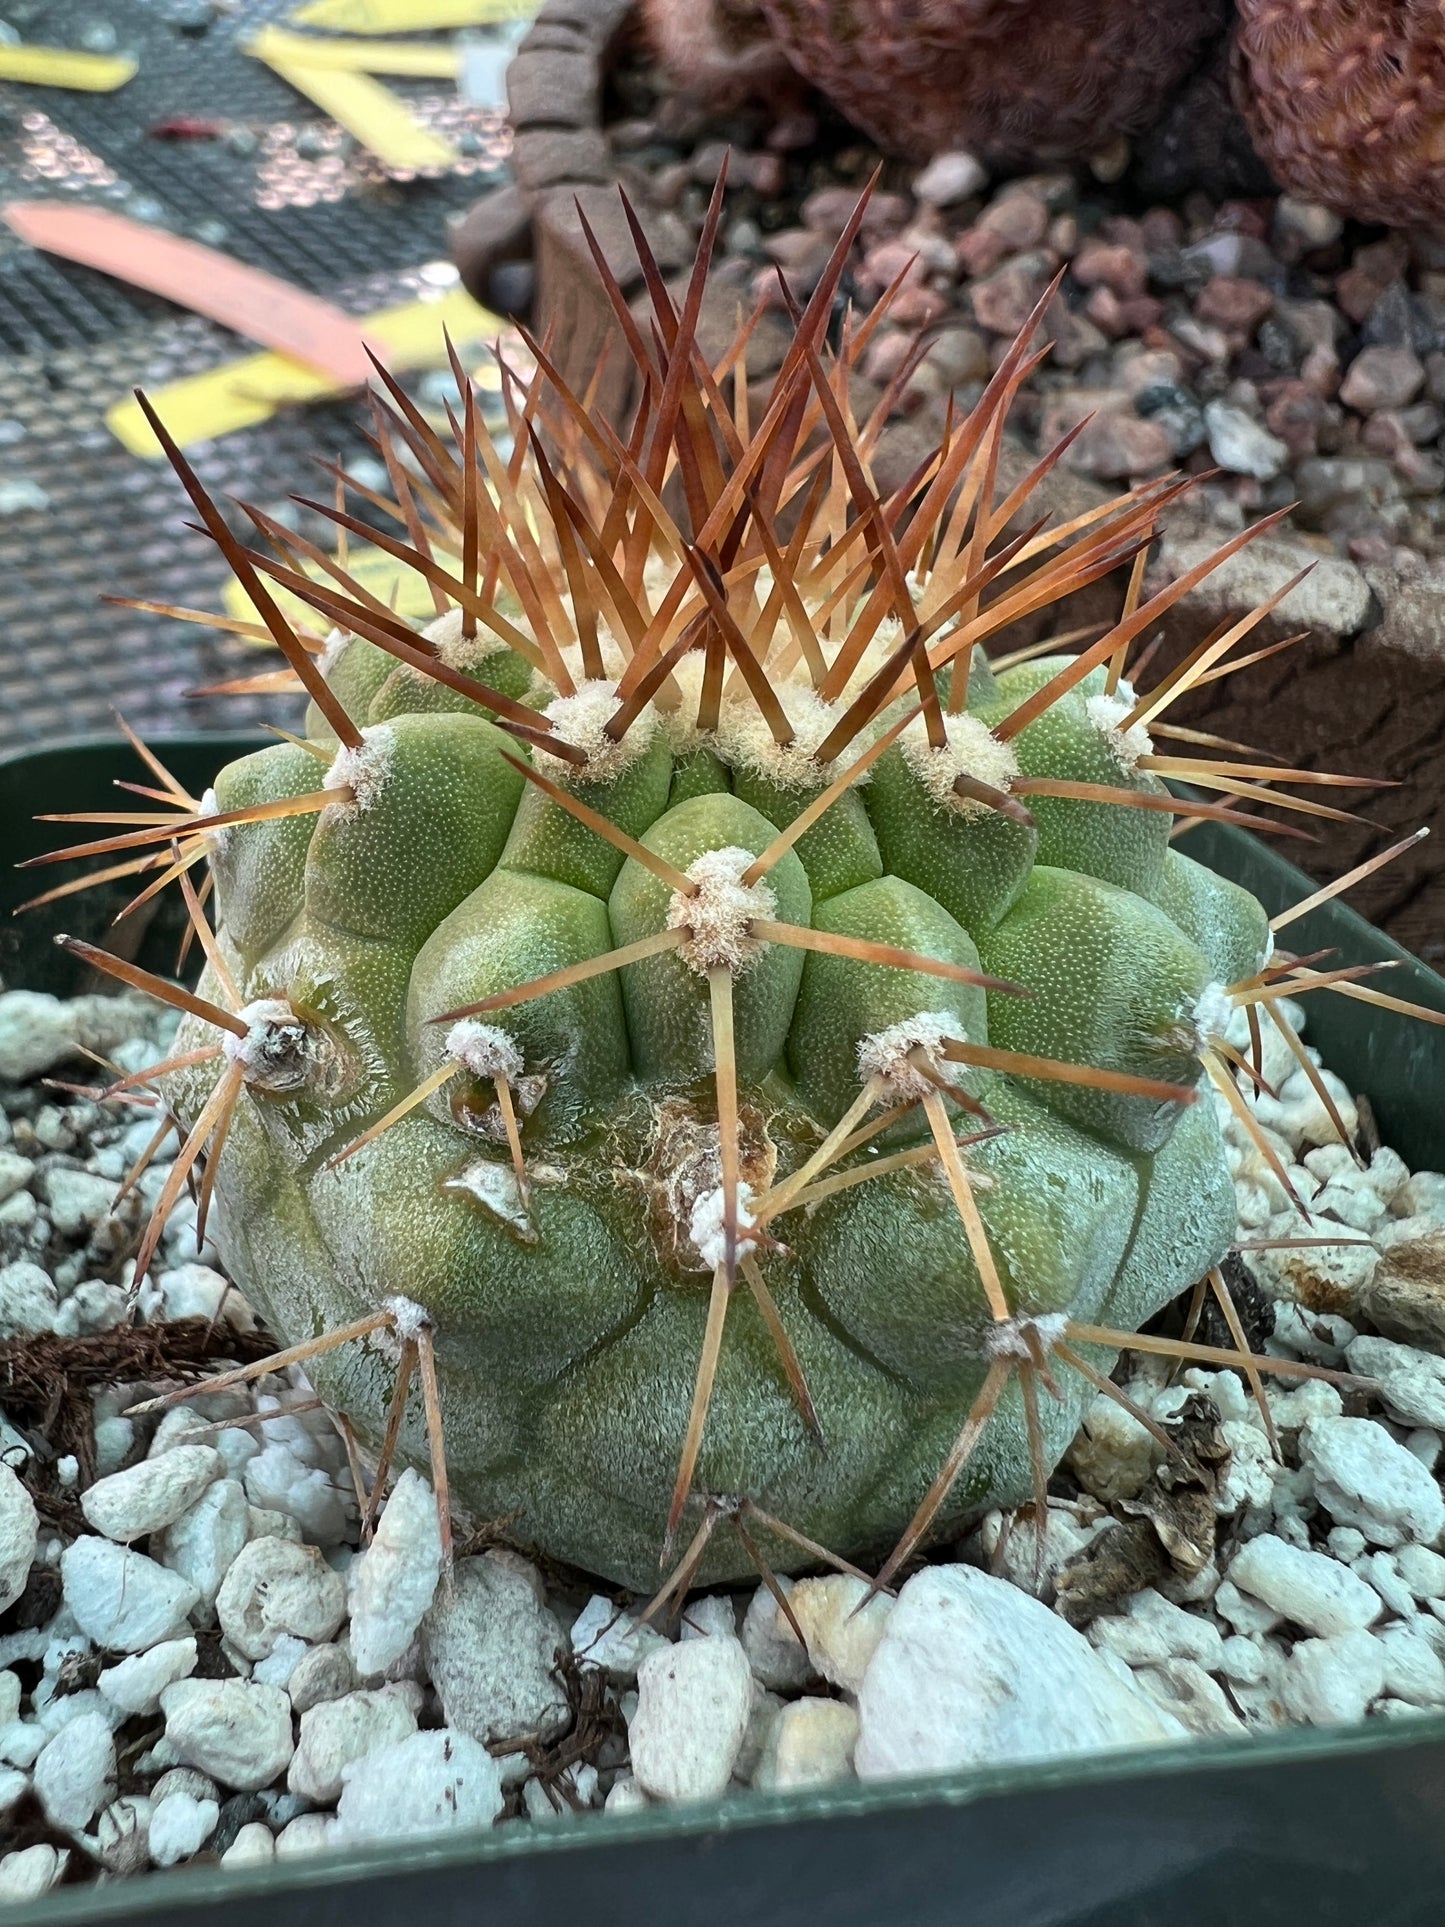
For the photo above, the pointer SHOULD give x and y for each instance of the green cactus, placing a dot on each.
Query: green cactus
(703, 1071)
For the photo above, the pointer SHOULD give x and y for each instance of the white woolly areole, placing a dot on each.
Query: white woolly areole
(1008, 1338)
(456, 650)
(884, 1054)
(407, 1317)
(706, 1228)
(336, 641)
(580, 720)
(261, 1019)
(210, 805)
(972, 750)
(717, 915)
(485, 1050)
(1107, 714)
(362, 770)
(1213, 1008)
(745, 741)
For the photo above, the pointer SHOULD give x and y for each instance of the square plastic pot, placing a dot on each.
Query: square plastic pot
(1345, 1825)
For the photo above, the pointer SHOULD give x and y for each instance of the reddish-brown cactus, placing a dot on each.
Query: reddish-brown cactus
(1013, 78)
(722, 52)
(1346, 103)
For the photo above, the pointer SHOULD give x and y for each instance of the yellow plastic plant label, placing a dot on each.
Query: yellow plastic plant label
(392, 581)
(59, 67)
(410, 16)
(416, 60)
(377, 117)
(201, 407)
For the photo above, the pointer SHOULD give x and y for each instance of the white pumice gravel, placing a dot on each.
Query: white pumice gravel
(394, 1581)
(693, 1701)
(236, 1731)
(274, 1588)
(19, 1535)
(969, 1670)
(223, 1636)
(431, 1782)
(146, 1497)
(490, 1649)
(120, 1599)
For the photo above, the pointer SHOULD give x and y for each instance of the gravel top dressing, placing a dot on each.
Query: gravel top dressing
(205, 1658)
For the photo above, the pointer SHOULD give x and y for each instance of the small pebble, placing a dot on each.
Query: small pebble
(237, 1732)
(430, 1783)
(146, 1497)
(180, 1827)
(1307, 1588)
(693, 1706)
(393, 1582)
(75, 1774)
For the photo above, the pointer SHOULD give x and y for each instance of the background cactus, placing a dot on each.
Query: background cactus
(1346, 104)
(684, 1039)
(1012, 78)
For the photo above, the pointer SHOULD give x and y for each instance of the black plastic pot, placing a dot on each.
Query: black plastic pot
(1342, 1826)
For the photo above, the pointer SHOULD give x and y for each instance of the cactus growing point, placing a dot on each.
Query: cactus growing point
(685, 1040)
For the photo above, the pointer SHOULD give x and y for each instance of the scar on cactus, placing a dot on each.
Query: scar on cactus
(687, 1042)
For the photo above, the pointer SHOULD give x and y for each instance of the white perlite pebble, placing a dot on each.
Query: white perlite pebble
(1330, 1682)
(693, 1703)
(1183, 1688)
(253, 1846)
(1307, 1588)
(1153, 1629)
(606, 1636)
(275, 1587)
(146, 1497)
(307, 1833)
(237, 1732)
(777, 1660)
(204, 1543)
(323, 1673)
(971, 1670)
(120, 1599)
(710, 1617)
(19, 1535)
(428, 1783)
(9, 1697)
(30, 1873)
(180, 1827)
(1364, 1479)
(394, 1581)
(841, 1639)
(27, 1299)
(490, 1649)
(136, 1684)
(75, 1775)
(278, 1481)
(339, 1731)
(1413, 1669)
(1412, 1382)
(810, 1743)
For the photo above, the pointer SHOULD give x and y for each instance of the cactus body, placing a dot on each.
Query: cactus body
(1015, 78)
(569, 1322)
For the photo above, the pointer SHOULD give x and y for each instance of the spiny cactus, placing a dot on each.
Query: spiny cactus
(1346, 104)
(1013, 78)
(684, 1039)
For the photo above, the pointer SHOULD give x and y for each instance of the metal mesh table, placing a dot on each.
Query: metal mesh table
(276, 186)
